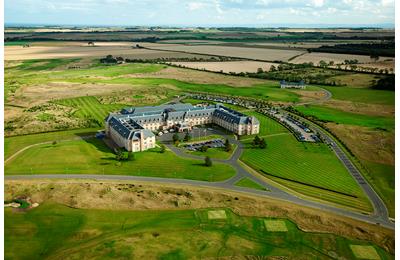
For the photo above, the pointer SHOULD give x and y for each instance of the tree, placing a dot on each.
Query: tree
(256, 140)
(228, 146)
(272, 68)
(175, 138)
(204, 148)
(90, 43)
(54, 142)
(162, 148)
(131, 156)
(262, 144)
(187, 137)
(207, 161)
(259, 71)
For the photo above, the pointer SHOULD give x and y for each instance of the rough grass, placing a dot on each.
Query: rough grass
(248, 183)
(310, 163)
(56, 231)
(92, 156)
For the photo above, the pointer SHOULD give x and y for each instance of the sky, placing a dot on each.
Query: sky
(200, 13)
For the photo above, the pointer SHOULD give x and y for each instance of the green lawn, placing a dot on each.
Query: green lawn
(362, 95)
(58, 232)
(16, 143)
(90, 107)
(268, 126)
(248, 183)
(94, 157)
(309, 163)
(215, 153)
(346, 118)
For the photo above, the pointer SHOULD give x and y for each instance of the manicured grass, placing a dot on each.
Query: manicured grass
(313, 164)
(248, 183)
(92, 156)
(90, 107)
(16, 143)
(268, 126)
(215, 153)
(341, 117)
(363, 95)
(57, 231)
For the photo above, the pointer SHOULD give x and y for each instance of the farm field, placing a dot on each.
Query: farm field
(307, 164)
(92, 156)
(87, 233)
(238, 52)
(56, 50)
(337, 58)
(228, 66)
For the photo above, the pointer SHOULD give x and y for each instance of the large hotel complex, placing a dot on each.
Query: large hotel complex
(133, 128)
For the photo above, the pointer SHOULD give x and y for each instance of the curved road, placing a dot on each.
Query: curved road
(272, 191)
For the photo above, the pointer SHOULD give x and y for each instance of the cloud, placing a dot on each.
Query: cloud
(192, 6)
(318, 3)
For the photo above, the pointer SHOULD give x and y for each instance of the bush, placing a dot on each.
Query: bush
(207, 161)
(162, 148)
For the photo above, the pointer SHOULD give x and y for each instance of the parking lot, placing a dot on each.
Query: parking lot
(195, 133)
(215, 143)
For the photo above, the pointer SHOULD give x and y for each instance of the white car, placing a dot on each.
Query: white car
(165, 131)
(160, 133)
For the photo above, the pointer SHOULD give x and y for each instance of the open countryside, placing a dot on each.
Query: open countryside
(183, 142)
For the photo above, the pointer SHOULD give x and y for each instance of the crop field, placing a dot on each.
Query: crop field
(228, 66)
(92, 156)
(57, 231)
(238, 52)
(90, 108)
(304, 164)
(56, 51)
(337, 58)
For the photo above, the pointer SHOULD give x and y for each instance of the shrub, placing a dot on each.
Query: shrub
(207, 161)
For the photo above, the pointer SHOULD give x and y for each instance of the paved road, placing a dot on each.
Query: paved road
(327, 96)
(272, 191)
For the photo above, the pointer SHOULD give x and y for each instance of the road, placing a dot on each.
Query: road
(271, 190)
